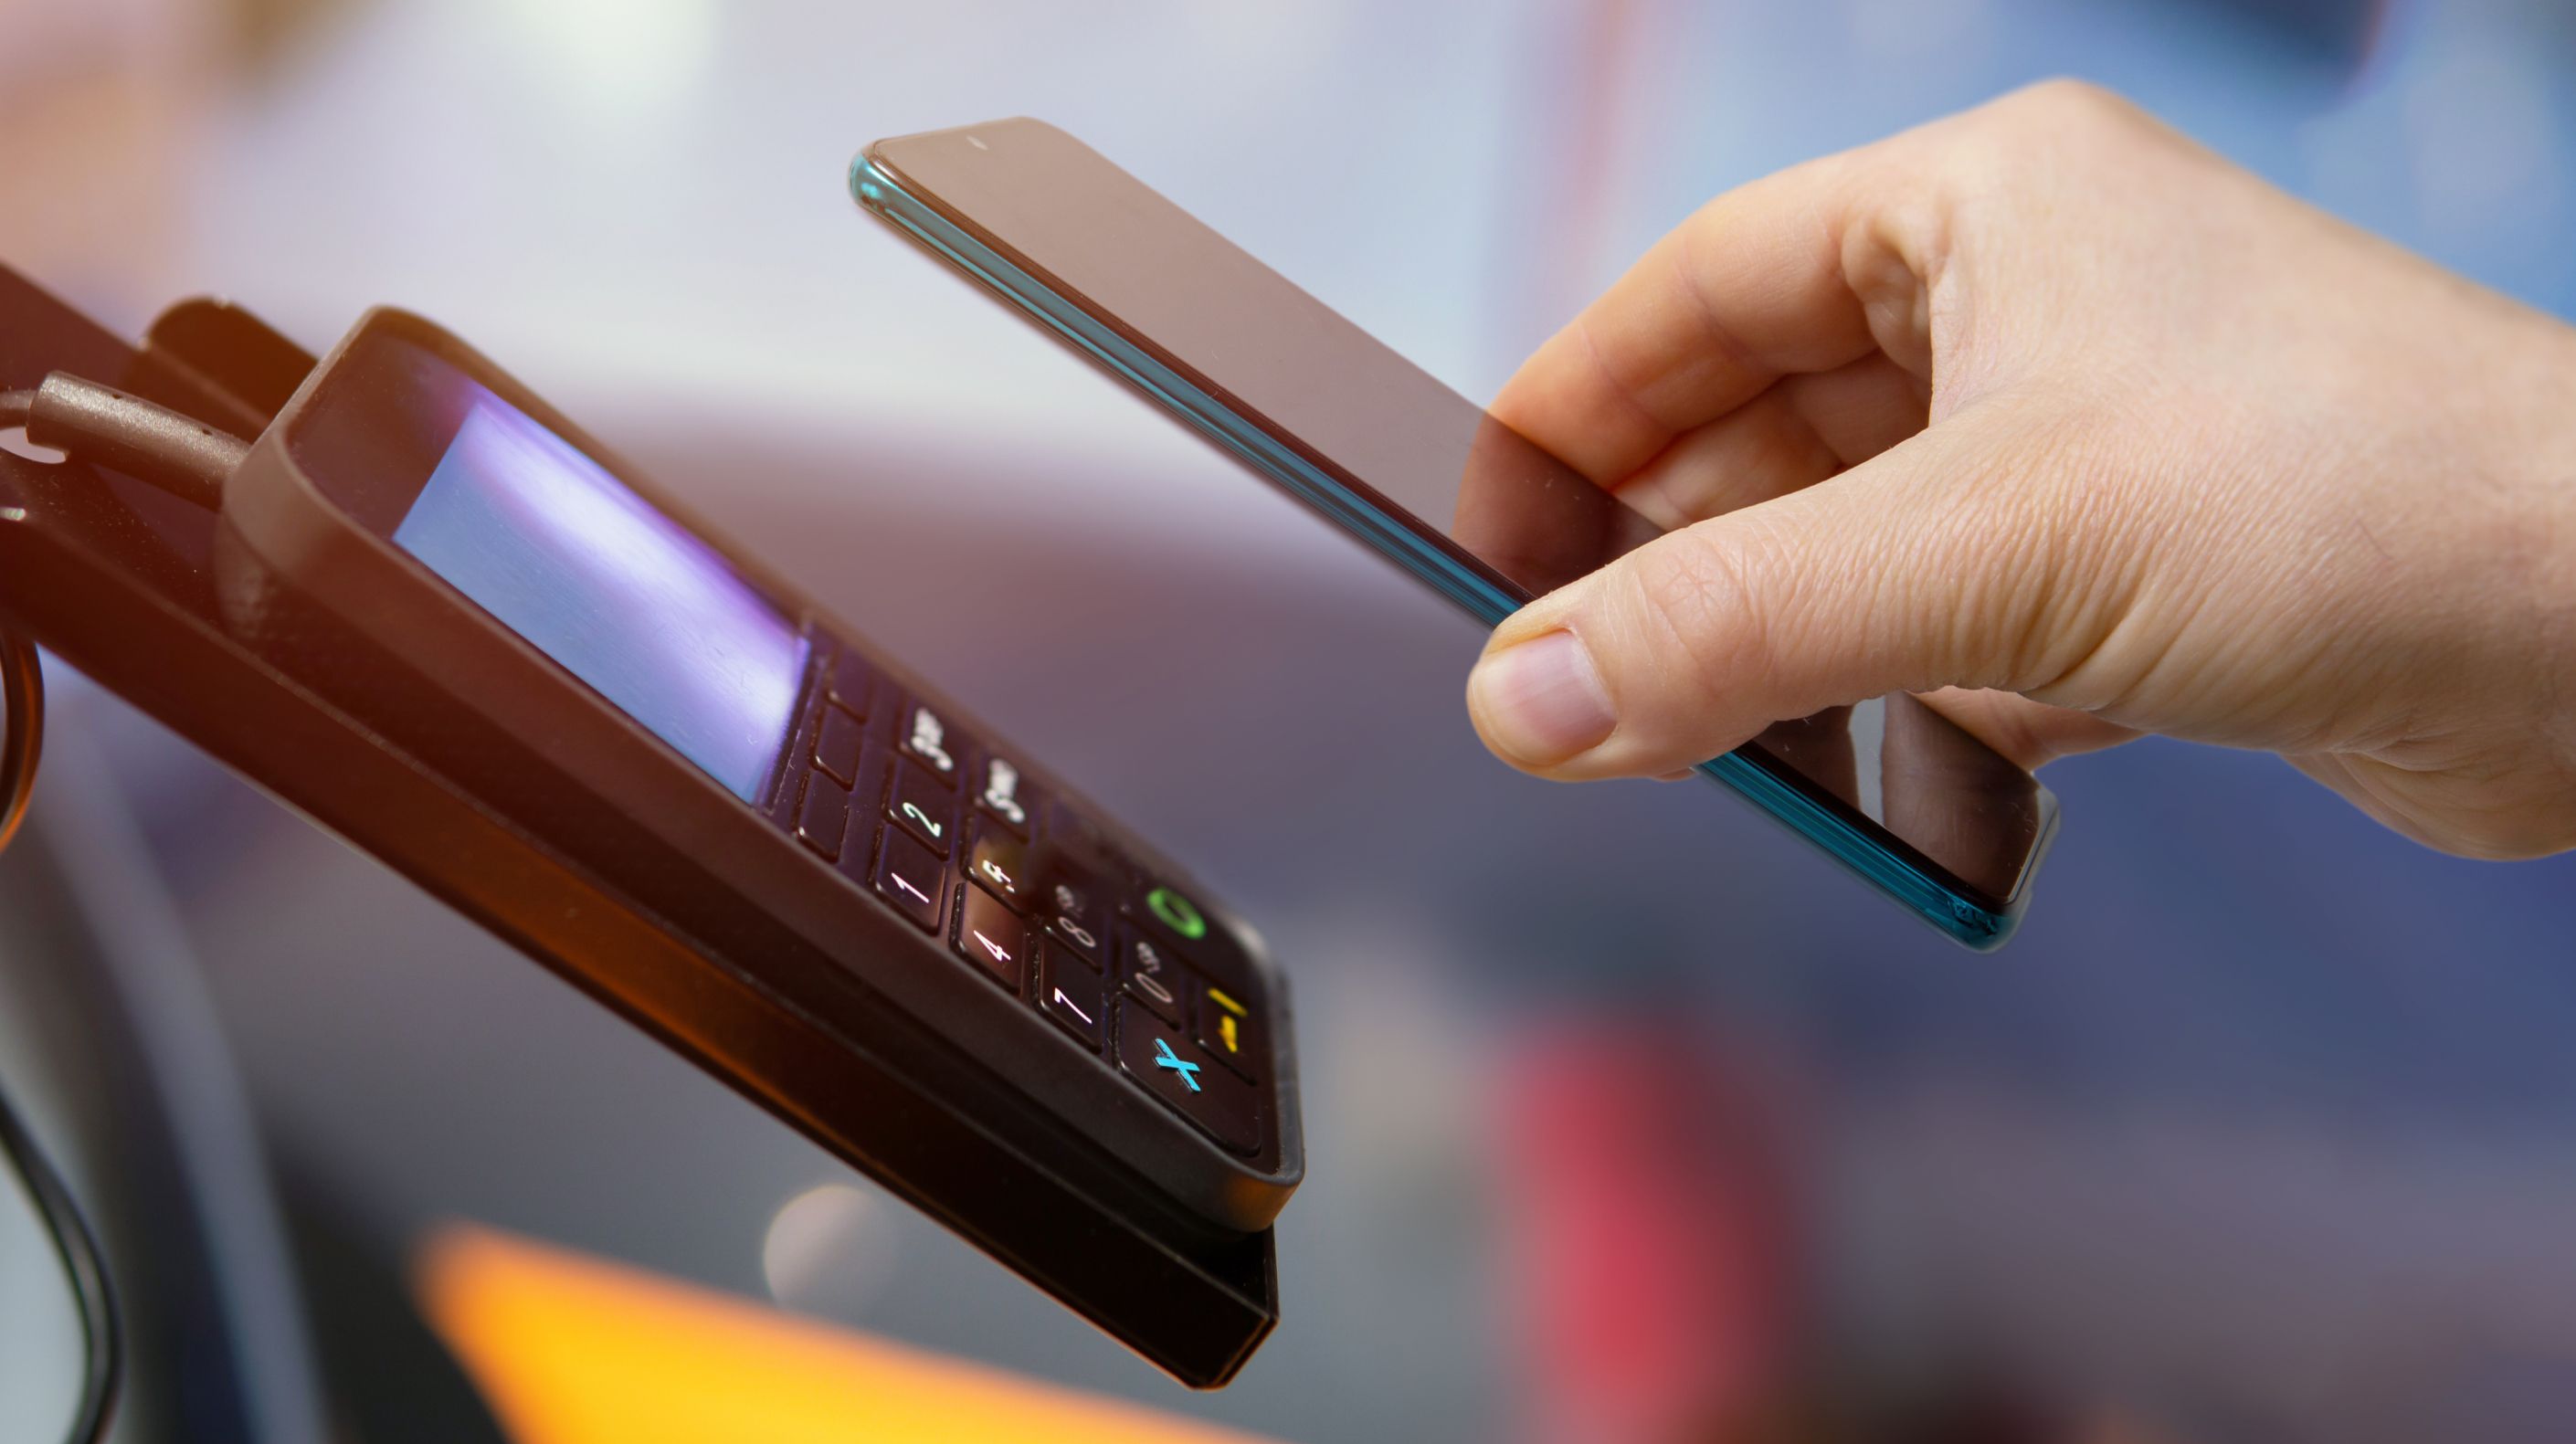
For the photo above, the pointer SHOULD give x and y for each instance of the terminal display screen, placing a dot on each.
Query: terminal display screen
(624, 597)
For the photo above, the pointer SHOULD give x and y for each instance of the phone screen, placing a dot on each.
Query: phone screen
(628, 600)
(1494, 503)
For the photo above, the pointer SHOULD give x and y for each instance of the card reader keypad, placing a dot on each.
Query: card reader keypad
(1033, 896)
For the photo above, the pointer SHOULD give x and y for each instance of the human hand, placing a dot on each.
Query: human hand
(2046, 406)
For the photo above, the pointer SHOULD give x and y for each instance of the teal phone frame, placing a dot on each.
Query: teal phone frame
(1854, 844)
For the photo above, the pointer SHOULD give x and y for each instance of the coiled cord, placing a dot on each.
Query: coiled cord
(22, 685)
(186, 457)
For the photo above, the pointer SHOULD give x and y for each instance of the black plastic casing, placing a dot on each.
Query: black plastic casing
(300, 646)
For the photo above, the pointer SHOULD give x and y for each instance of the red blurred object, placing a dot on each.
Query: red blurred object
(1649, 1238)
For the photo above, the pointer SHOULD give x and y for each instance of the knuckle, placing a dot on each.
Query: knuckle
(2065, 99)
(2047, 135)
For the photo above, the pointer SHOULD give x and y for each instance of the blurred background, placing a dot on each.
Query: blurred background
(1627, 1120)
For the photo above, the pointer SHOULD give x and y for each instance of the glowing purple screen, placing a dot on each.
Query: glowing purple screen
(544, 539)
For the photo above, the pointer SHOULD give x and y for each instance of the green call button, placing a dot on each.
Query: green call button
(1177, 913)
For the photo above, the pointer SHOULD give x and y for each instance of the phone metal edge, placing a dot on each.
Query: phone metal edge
(1961, 919)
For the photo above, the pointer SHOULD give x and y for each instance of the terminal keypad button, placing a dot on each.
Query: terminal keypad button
(1152, 978)
(822, 815)
(1072, 903)
(999, 861)
(1230, 1030)
(1174, 1069)
(1171, 910)
(1006, 795)
(926, 738)
(912, 879)
(852, 683)
(990, 936)
(837, 745)
(1071, 993)
(920, 806)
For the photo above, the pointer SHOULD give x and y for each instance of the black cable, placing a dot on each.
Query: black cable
(79, 1252)
(188, 458)
(23, 687)
(107, 427)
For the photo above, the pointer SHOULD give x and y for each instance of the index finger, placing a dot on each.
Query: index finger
(1752, 287)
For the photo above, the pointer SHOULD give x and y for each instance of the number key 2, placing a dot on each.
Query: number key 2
(922, 807)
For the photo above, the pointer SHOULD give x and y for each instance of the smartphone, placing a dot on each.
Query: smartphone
(1889, 788)
(442, 620)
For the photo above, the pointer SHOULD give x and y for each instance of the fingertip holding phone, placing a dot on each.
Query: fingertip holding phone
(1888, 788)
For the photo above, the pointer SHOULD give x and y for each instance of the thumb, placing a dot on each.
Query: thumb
(1928, 566)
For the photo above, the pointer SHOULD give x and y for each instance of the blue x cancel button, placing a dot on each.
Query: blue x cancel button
(1175, 1070)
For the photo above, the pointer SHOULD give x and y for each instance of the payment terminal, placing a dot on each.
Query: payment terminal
(434, 614)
